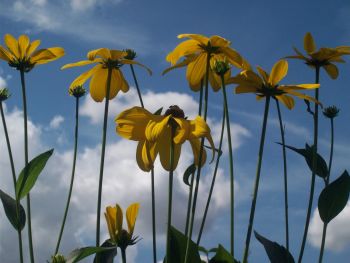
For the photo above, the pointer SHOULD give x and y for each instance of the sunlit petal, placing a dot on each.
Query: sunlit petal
(102, 52)
(98, 84)
(12, 45)
(131, 215)
(188, 47)
(196, 70)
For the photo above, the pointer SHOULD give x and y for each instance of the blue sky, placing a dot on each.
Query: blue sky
(262, 31)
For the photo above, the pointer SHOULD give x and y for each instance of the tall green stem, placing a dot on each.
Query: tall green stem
(123, 255)
(285, 176)
(19, 231)
(153, 218)
(214, 178)
(257, 180)
(72, 175)
(29, 218)
(199, 159)
(324, 230)
(170, 199)
(313, 177)
(136, 84)
(104, 133)
(232, 187)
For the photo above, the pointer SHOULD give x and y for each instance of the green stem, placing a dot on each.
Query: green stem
(136, 84)
(19, 231)
(324, 231)
(199, 160)
(313, 177)
(257, 180)
(232, 187)
(72, 175)
(170, 200)
(104, 133)
(123, 255)
(154, 218)
(29, 218)
(285, 176)
(214, 177)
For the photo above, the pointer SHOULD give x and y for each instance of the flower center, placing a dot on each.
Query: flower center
(175, 111)
(22, 64)
(112, 64)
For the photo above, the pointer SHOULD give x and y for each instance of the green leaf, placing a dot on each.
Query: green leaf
(275, 252)
(108, 255)
(222, 256)
(30, 173)
(334, 198)
(178, 243)
(321, 166)
(188, 173)
(159, 111)
(81, 253)
(11, 212)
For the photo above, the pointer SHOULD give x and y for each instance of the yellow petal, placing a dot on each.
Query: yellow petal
(12, 45)
(184, 63)
(156, 127)
(215, 80)
(132, 123)
(98, 84)
(117, 54)
(247, 78)
(146, 154)
(32, 47)
(127, 61)
(200, 38)
(309, 43)
(245, 89)
(57, 51)
(5, 55)
(331, 70)
(263, 74)
(80, 80)
(182, 131)
(43, 56)
(303, 96)
(119, 219)
(298, 87)
(196, 147)
(286, 100)
(217, 41)
(118, 82)
(164, 150)
(23, 43)
(78, 64)
(188, 47)
(102, 52)
(111, 219)
(278, 72)
(131, 215)
(234, 57)
(196, 70)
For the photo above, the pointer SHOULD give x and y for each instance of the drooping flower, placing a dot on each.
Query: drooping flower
(197, 51)
(105, 59)
(153, 132)
(267, 84)
(114, 218)
(23, 54)
(324, 57)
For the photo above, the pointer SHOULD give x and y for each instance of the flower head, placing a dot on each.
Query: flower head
(106, 60)
(267, 84)
(114, 218)
(154, 133)
(58, 259)
(77, 91)
(331, 112)
(197, 51)
(23, 54)
(324, 57)
(4, 94)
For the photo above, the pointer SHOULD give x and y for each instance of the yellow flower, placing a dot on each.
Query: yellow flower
(324, 57)
(197, 51)
(153, 132)
(114, 218)
(23, 54)
(105, 59)
(267, 85)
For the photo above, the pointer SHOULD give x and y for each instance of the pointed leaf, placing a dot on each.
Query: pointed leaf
(11, 212)
(188, 173)
(30, 173)
(108, 255)
(334, 198)
(321, 166)
(222, 256)
(81, 253)
(178, 243)
(275, 252)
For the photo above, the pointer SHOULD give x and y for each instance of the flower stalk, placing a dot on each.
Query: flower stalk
(257, 180)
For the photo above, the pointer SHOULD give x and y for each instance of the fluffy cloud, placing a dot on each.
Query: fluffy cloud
(338, 231)
(56, 121)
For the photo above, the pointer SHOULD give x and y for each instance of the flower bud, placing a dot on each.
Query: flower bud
(58, 259)
(4, 94)
(77, 91)
(331, 112)
(131, 54)
(221, 67)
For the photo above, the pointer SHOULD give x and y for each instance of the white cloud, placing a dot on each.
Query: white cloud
(73, 18)
(338, 231)
(56, 122)
(2, 83)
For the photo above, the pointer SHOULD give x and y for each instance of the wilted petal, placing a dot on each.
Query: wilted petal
(146, 154)
(156, 126)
